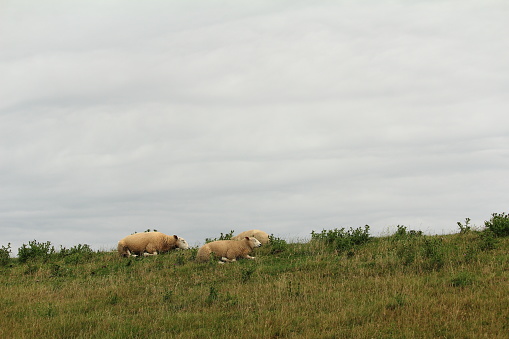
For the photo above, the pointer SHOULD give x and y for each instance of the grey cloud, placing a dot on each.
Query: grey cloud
(200, 118)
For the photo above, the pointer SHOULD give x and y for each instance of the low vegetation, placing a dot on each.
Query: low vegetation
(340, 284)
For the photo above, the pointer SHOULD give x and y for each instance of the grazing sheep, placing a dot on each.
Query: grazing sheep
(262, 236)
(149, 243)
(228, 250)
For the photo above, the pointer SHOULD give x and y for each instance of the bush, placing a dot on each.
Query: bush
(487, 240)
(402, 233)
(407, 252)
(466, 227)
(342, 240)
(5, 255)
(423, 253)
(433, 251)
(277, 245)
(78, 249)
(77, 254)
(35, 250)
(59, 271)
(498, 224)
(221, 237)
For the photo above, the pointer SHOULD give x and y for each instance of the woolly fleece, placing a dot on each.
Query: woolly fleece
(228, 250)
(150, 242)
(262, 236)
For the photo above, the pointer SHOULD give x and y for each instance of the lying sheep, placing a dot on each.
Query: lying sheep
(262, 236)
(149, 243)
(228, 250)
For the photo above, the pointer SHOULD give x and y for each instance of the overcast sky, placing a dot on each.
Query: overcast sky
(201, 117)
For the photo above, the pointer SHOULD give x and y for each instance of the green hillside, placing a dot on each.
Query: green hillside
(341, 284)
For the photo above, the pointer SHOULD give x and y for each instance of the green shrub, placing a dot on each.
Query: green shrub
(487, 240)
(78, 249)
(192, 252)
(5, 255)
(76, 254)
(277, 245)
(59, 271)
(400, 233)
(35, 250)
(406, 251)
(403, 233)
(470, 254)
(466, 227)
(227, 236)
(180, 259)
(342, 240)
(498, 224)
(433, 251)
(31, 269)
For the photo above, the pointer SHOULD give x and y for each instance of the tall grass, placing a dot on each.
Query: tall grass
(402, 286)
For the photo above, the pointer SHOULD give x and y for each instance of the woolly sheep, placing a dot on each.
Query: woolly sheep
(262, 236)
(228, 250)
(149, 243)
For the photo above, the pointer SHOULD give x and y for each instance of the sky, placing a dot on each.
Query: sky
(200, 117)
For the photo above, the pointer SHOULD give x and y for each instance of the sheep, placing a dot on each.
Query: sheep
(228, 250)
(262, 236)
(149, 243)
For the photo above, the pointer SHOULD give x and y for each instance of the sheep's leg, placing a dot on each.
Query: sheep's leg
(229, 256)
(247, 256)
(129, 254)
(151, 249)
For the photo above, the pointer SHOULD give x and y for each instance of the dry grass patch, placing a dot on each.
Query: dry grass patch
(413, 286)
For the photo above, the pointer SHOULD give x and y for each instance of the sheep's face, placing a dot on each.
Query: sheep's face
(182, 243)
(255, 242)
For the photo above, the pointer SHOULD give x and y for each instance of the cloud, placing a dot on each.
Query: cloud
(291, 116)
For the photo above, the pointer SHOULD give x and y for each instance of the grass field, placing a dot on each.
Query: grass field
(407, 285)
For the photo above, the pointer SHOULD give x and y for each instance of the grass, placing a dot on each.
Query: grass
(404, 286)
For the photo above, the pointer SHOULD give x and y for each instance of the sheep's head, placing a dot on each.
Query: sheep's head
(181, 243)
(255, 242)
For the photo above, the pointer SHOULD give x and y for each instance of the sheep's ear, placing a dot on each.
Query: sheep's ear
(176, 238)
(247, 238)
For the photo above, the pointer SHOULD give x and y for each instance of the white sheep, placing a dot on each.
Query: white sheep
(228, 250)
(149, 243)
(262, 236)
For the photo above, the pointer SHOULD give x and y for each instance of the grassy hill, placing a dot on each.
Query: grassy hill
(341, 284)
